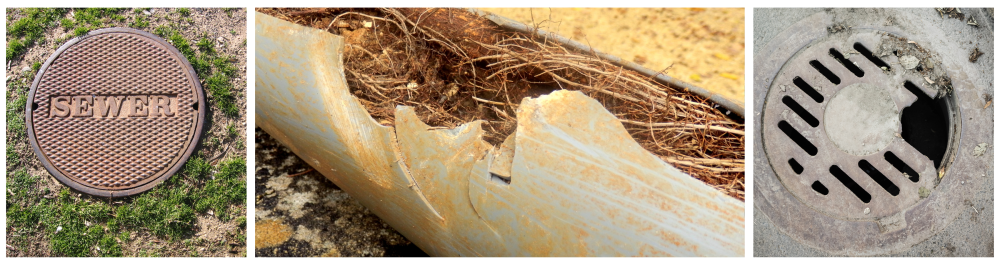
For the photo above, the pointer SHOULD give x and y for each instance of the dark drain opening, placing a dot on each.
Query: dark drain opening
(925, 124)
(850, 184)
(847, 63)
(499, 178)
(901, 166)
(878, 177)
(802, 112)
(798, 138)
(795, 166)
(871, 56)
(826, 72)
(815, 95)
(818, 187)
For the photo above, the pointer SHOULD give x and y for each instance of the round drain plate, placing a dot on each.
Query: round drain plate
(115, 112)
(858, 139)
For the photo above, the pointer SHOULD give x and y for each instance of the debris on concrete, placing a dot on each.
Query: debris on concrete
(974, 56)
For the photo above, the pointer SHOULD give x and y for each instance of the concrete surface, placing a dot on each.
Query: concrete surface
(971, 232)
(869, 119)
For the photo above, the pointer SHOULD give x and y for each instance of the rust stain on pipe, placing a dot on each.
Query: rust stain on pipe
(569, 182)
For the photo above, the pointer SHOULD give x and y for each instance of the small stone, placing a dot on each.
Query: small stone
(146, 12)
(980, 149)
(868, 210)
(909, 62)
(25, 69)
(58, 229)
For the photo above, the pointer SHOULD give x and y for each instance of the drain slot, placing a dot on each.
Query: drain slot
(802, 112)
(871, 56)
(818, 187)
(798, 138)
(878, 177)
(925, 124)
(850, 65)
(805, 87)
(901, 166)
(795, 166)
(850, 184)
(826, 72)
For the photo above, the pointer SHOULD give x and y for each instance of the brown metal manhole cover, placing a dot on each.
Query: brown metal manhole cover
(862, 146)
(115, 112)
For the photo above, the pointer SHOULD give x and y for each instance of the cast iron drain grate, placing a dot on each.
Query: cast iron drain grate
(836, 124)
(115, 112)
(871, 137)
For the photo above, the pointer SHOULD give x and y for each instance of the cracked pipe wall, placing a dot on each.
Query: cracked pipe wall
(580, 185)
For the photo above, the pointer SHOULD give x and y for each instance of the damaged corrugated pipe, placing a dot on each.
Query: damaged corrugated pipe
(570, 181)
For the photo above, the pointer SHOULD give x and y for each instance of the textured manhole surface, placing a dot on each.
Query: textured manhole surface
(115, 112)
(834, 127)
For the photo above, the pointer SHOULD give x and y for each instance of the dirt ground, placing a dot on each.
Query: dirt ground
(208, 235)
(301, 213)
(701, 46)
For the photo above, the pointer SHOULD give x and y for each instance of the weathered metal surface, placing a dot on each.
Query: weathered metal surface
(851, 128)
(114, 112)
(569, 182)
(839, 222)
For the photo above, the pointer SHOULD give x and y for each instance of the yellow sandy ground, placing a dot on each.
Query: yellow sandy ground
(705, 46)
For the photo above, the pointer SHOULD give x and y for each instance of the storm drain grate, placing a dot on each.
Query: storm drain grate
(115, 112)
(872, 136)
(843, 139)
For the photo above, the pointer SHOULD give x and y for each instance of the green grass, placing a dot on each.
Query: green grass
(231, 130)
(139, 23)
(96, 17)
(227, 187)
(25, 32)
(17, 100)
(77, 227)
(216, 72)
(184, 12)
(67, 23)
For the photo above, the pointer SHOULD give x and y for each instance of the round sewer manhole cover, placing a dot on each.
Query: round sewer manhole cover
(864, 145)
(115, 112)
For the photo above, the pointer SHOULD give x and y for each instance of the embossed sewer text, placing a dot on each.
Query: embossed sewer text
(113, 106)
